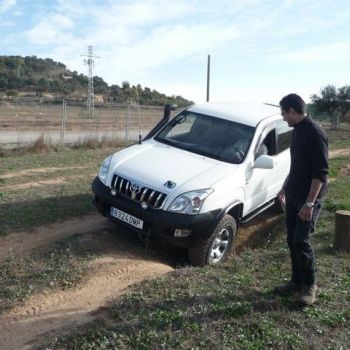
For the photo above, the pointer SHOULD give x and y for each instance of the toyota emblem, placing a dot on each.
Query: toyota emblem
(135, 190)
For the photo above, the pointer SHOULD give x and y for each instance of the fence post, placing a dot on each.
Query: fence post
(342, 231)
(63, 121)
(127, 119)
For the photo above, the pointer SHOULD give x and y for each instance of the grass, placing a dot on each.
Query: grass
(225, 307)
(339, 138)
(24, 204)
(232, 306)
(339, 170)
(61, 265)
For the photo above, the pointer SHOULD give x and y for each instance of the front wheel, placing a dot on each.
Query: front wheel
(217, 246)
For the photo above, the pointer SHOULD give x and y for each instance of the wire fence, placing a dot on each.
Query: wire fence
(66, 122)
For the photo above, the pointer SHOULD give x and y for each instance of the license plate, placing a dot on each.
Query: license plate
(131, 220)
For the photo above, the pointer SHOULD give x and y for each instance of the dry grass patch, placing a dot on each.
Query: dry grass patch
(98, 142)
(41, 144)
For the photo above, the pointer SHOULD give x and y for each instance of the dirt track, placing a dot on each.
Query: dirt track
(121, 263)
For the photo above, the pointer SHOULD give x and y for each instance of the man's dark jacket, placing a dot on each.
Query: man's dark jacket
(309, 159)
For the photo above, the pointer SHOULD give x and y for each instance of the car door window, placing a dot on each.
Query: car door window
(267, 146)
(284, 135)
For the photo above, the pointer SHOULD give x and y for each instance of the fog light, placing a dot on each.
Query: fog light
(144, 205)
(113, 192)
(182, 233)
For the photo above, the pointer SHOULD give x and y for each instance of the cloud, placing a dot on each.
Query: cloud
(159, 43)
(321, 53)
(5, 5)
(8, 24)
(54, 29)
(131, 37)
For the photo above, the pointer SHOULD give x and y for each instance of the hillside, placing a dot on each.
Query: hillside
(33, 74)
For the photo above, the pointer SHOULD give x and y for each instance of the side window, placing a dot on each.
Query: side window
(284, 135)
(267, 146)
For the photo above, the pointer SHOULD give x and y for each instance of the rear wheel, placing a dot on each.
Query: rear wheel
(217, 246)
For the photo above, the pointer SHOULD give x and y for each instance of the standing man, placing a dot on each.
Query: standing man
(303, 193)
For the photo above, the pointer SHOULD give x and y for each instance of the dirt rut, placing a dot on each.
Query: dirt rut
(20, 243)
(121, 264)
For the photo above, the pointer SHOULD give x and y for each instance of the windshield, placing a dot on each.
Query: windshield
(213, 137)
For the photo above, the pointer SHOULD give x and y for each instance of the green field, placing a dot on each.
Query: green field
(225, 307)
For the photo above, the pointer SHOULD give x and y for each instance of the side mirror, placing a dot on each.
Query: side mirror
(167, 110)
(264, 162)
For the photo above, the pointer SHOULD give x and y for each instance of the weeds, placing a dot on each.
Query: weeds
(40, 145)
(232, 306)
(44, 144)
(225, 307)
(62, 265)
(68, 193)
(97, 142)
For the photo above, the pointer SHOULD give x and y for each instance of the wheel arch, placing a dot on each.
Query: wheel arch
(235, 210)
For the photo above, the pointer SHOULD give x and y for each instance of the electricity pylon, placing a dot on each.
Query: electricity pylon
(90, 62)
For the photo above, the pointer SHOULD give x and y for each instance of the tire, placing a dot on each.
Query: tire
(217, 247)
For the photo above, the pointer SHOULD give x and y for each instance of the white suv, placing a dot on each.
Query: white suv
(197, 176)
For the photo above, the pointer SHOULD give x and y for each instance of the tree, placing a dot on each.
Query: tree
(335, 102)
(344, 100)
(20, 63)
(3, 83)
(31, 73)
(127, 92)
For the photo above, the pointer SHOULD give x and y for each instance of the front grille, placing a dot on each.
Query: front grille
(126, 188)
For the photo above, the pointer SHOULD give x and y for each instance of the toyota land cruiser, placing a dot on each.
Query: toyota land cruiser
(194, 178)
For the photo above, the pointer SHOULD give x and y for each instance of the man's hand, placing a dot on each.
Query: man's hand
(305, 213)
(282, 197)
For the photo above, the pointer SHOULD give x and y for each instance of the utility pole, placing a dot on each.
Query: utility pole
(90, 97)
(208, 77)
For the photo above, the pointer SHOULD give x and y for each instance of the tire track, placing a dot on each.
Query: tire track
(20, 243)
(57, 312)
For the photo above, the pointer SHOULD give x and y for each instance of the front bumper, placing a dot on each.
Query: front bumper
(156, 221)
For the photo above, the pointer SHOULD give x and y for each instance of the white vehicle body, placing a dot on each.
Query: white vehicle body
(239, 189)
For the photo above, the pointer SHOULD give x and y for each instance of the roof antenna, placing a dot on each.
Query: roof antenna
(271, 104)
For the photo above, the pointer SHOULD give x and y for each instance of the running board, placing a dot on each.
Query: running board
(257, 211)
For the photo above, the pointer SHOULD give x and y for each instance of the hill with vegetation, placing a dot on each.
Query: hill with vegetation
(33, 74)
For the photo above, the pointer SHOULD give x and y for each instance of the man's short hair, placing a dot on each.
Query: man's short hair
(293, 101)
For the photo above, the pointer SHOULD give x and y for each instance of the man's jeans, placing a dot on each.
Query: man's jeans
(298, 238)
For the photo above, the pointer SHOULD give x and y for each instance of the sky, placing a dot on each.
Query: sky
(260, 50)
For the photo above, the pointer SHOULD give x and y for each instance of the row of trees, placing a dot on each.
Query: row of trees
(144, 96)
(334, 102)
(32, 74)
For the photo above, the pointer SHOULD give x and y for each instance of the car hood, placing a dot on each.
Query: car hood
(153, 164)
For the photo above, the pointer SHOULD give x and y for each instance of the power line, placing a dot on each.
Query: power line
(90, 62)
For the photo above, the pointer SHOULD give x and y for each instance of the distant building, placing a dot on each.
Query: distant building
(99, 99)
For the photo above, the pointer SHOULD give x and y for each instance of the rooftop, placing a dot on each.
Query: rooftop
(249, 114)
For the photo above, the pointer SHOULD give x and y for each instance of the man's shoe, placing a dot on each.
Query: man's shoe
(287, 288)
(308, 294)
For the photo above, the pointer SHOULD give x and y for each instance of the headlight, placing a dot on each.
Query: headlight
(190, 202)
(104, 169)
